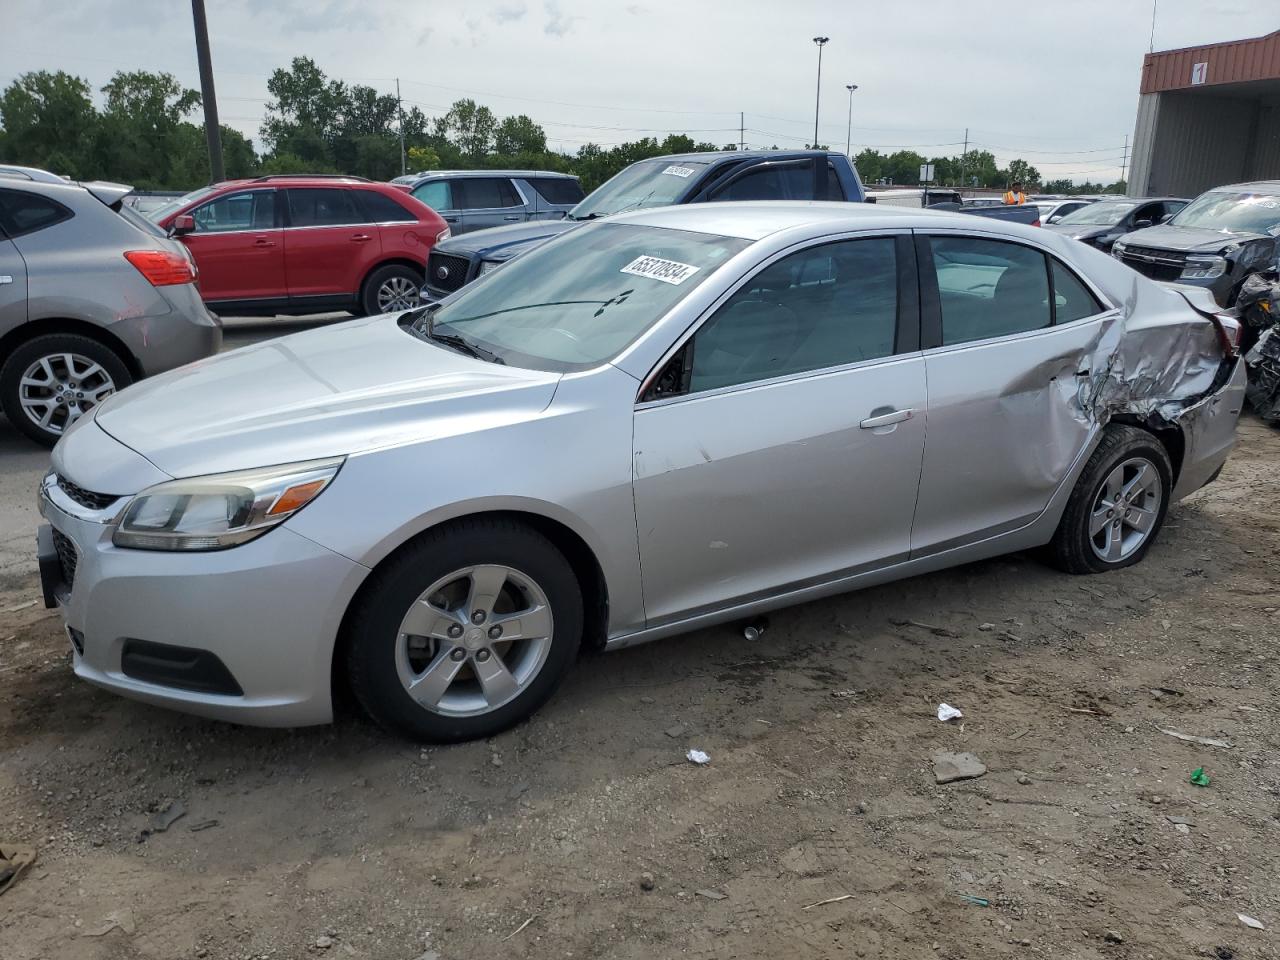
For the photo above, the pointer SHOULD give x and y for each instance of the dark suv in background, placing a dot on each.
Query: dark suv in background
(1216, 241)
(477, 199)
(657, 182)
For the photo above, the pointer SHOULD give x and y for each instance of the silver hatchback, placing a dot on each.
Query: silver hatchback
(92, 297)
(654, 423)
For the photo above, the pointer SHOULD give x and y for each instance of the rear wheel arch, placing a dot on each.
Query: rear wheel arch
(414, 265)
(582, 559)
(25, 332)
(1170, 437)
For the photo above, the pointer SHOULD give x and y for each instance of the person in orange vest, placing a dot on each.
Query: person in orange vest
(1014, 194)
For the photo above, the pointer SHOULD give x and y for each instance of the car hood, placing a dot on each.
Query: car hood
(1166, 236)
(502, 243)
(1079, 231)
(340, 390)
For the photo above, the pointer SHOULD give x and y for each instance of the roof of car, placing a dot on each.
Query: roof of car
(757, 219)
(711, 156)
(427, 174)
(1256, 186)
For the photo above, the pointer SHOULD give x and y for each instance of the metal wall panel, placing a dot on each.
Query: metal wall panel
(1264, 159)
(1144, 132)
(1237, 61)
(1199, 142)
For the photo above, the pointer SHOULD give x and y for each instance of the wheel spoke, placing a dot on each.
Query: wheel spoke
(1141, 519)
(429, 686)
(427, 620)
(1142, 480)
(1114, 484)
(1115, 542)
(531, 624)
(495, 679)
(486, 585)
(1099, 519)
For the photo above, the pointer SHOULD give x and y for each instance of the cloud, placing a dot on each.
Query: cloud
(559, 23)
(508, 12)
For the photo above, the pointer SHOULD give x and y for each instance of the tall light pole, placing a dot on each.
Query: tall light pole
(213, 135)
(821, 42)
(848, 139)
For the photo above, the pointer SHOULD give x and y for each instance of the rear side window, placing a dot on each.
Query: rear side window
(562, 190)
(791, 181)
(483, 193)
(436, 194)
(1072, 300)
(823, 307)
(383, 209)
(22, 212)
(989, 288)
(321, 207)
(250, 210)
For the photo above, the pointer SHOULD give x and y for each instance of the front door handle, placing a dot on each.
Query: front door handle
(510, 218)
(6, 279)
(886, 419)
(450, 219)
(263, 242)
(360, 238)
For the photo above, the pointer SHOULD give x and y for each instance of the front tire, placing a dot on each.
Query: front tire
(391, 289)
(1118, 505)
(465, 633)
(51, 381)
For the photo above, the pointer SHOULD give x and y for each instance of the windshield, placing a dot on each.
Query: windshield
(1232, 212)
(579, 300)
(649, 183)
(159, 213)
(1105, 214)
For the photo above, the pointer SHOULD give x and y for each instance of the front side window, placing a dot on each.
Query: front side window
(579, 300)
(435, 194)
(823, 307)
(322, 207)
(22, 212)
(989, 288)
(785, 181)
(559, 190)
(251, 210)
(165, 209)
(485, 193)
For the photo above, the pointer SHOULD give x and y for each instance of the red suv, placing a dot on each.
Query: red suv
(305, 244)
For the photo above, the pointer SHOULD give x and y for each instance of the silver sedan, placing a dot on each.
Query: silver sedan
(658, 422)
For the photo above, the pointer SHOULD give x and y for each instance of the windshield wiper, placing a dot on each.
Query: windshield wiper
(462, 344)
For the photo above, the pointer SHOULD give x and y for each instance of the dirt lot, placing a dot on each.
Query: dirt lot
(1085, 839)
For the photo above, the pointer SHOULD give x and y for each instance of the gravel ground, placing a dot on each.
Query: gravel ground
(817, 830)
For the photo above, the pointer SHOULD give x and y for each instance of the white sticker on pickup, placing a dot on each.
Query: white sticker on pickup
(655, 268)
(674, 171)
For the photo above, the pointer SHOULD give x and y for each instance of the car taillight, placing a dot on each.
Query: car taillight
(1230, 333)
(1035, 222)
(162, 268)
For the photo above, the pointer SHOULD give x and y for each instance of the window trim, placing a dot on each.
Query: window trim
(66, 213)
(751, 169)
(510, 182)
(906, 336)
(363, 192)
(191, 212)
(931, 301)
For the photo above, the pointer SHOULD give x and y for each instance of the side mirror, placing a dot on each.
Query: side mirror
(1055, 218)
(1141, 224)
(1166, 218)
(183, 224)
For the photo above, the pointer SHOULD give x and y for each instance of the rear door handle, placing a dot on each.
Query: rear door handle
(886, 419)
(360, 238)
(263, 242)
(510, 218)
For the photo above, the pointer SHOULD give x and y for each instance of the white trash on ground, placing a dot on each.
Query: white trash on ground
(947, 712)
(698, 757)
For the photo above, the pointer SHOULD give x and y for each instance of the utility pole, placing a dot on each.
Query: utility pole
(400, 114)
(1124, 163)
(964, 156)
(848, 137)
(742, 130)
(817, 99)
(1152, 47)
(212, 131)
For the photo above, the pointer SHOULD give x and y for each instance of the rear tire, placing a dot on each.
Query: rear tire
(1118, 505)
(391, 289)
(465, 633)
(61, 375)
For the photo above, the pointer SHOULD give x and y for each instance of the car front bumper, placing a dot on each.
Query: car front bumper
(268, 611)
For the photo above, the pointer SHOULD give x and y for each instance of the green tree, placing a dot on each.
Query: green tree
(49, 121)
(140, 136)
(468, 127)
(1019, 171)
(423, 158)
(519, 135)
(306, 113)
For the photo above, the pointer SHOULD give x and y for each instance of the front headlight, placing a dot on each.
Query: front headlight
(1117, 249)
(221, 510)
(1204, 268)
(487, 265)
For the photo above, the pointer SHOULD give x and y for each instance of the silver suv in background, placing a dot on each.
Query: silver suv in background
(475, 199)
(92, 297)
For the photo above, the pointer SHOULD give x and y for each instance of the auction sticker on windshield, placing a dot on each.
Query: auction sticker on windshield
(655, 268)
(674, 171)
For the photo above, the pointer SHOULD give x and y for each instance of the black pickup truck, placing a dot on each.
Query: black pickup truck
(658, 182)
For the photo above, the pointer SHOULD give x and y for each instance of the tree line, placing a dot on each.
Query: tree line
(143, 134)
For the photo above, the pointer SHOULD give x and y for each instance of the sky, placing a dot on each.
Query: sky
(1054, 83)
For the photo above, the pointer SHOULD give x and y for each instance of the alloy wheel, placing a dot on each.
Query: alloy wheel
(56, 390)
(474, 640)
(1125, 509)
(397, 293)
